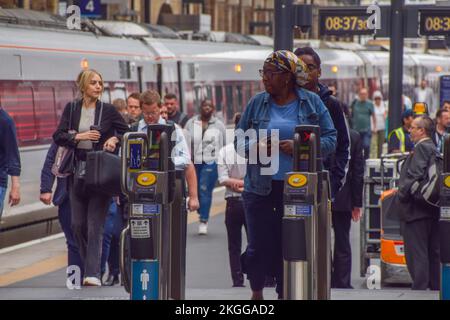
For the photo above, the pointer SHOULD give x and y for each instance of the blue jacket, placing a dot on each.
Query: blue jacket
(9, 150)
(256, 116)
(337, 162)
(47, 178)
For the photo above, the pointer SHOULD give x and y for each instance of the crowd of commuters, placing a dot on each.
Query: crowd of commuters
(293, 95)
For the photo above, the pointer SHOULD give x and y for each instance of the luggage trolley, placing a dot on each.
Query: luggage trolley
(392, 254)
(377, 176)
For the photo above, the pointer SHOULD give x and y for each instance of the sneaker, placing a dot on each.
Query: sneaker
(203, 228)
(92, 281)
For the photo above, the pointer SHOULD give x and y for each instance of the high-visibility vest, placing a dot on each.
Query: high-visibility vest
(400, 136)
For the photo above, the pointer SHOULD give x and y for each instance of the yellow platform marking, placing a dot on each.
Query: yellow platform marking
(34, 270)
(58, 262)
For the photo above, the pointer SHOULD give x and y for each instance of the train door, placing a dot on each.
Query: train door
(140, 78)
(218, 100)
(229, 106)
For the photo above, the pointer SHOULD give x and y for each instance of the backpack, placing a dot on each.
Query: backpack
(427, 190)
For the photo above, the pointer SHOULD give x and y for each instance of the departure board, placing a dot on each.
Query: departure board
(344, 22)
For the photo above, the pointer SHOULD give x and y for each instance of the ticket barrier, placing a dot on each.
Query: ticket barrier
(148, 180)
(306, 223)
(444, 224)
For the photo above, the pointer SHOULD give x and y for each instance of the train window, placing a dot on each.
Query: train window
(219, 98)
(118, 93)
(18, 102)
(209, 94)
(63, 95)
(229, 103)
(248, 94)
(44, 113)
(124, 69)
(239, 98)
(197, 97)
(106, 96)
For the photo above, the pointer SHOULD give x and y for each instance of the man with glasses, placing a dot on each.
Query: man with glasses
(151, 114)
(420, 224)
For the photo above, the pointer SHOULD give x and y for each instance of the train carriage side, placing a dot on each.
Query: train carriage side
(225, 73)
(39, 67)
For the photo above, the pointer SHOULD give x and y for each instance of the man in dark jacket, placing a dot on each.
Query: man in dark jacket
(420, 224)
(9, 160)
(62, 201)
(337, 163)
(347, 206)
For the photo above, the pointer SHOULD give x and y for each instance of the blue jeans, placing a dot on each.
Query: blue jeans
(207, 177)
(2, 199)
(263, 256)
(111, 237)
(366, 136)
(64, 216)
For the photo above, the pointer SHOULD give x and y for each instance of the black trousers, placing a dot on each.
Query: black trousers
(421, 239)
(342, 257)
(234, 221)
(88, 219)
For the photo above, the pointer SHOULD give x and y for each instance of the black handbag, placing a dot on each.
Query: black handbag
(103, 173)
(64, 164)
(103, 170)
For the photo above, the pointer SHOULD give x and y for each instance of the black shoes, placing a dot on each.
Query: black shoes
(111, 280)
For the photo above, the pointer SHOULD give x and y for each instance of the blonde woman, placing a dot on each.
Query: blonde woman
(89, 124)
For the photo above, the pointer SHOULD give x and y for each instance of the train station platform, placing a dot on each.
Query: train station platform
(37, 270)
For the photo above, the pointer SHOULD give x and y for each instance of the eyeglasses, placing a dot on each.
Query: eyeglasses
(150, 114)
(269, 73)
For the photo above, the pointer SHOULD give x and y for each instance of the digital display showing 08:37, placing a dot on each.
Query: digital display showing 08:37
(434, 23)
(342, 23)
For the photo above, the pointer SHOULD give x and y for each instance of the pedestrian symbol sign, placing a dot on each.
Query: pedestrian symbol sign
(144, 280)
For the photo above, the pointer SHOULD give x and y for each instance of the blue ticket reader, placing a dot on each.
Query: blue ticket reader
(148, 179)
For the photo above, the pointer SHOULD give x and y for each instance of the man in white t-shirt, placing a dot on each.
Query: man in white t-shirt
(379, 132)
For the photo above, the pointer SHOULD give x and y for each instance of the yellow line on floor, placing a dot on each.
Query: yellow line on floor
(34, 270)
(58, 262)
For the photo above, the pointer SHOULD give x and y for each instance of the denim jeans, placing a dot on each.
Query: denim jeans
(64, 216)
(207, 177)
(263, 256)
(366, 136)
(2, 199)
(111, 237)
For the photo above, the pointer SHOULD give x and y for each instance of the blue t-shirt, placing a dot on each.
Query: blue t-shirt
(285, 119)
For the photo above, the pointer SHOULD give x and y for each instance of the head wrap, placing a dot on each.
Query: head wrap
(285, 60)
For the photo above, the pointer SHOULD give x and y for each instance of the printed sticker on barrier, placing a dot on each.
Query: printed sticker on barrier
(298, 210)
(445, 212)
(145, 208)
(140, 229)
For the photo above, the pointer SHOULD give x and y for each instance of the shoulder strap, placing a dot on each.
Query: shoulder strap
(70, 116)
(100, 114)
